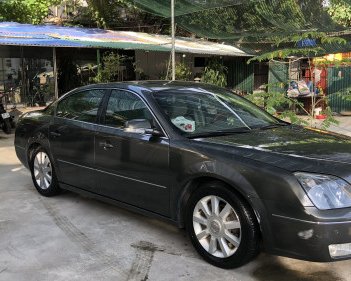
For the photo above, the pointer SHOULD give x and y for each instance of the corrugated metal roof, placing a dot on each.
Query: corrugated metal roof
(12, 33)
(38, 42)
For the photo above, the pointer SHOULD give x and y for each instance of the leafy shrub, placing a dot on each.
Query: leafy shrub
(111, 68)
(215, 73)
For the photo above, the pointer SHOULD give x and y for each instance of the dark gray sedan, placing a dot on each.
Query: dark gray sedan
(238, 179)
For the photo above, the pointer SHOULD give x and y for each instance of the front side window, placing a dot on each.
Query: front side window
(82, 106)
(196, 111)
(124, 106)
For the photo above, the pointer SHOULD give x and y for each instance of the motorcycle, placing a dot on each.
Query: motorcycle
(6, 120)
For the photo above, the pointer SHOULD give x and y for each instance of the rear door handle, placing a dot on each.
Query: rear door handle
(55, 134)
(106, 145)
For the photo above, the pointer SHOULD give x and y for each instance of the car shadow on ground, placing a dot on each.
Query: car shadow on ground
(265, 268)
(271, 268)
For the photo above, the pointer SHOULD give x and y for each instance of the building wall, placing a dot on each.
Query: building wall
(154, 64)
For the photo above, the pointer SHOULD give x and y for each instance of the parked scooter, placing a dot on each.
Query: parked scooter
(6, 120)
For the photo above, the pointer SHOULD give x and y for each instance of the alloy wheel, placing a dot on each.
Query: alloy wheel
(217, 226)
(42, 170)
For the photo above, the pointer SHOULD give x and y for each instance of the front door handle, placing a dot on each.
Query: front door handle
(106, 145)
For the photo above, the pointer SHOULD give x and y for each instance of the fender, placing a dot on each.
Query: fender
(233, 177)
(41, 139)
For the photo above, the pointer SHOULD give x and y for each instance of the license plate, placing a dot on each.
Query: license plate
(5, 115)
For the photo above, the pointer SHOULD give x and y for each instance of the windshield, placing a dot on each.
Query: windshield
(194, 111)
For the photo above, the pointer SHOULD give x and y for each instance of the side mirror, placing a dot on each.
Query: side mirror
(138, 126)
(154, 132)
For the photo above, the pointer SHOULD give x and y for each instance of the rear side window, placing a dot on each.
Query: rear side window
(82, 106)
(124, 106)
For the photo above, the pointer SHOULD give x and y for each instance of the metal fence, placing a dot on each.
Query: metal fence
(339, 88)
(240, 75)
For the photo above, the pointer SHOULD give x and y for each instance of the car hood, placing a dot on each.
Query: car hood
(300, 146)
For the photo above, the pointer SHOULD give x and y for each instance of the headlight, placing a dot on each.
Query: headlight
(326, 192)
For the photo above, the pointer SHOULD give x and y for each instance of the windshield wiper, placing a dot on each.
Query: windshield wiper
(273, 126)
(219, 133)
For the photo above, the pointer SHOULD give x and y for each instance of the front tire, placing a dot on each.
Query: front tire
(222, 227)
(43, 173)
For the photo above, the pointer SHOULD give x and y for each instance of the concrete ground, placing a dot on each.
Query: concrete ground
(70, 237)
(344, 126)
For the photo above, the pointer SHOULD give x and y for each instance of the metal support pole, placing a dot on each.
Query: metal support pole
(24, 93)
(173, 41)
(55, 72)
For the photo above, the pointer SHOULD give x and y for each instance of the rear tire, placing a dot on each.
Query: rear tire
(43, 173)
(222, 226)
(6, 126)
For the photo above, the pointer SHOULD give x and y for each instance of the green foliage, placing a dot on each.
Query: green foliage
(111, 68)
(215, 73)
(306, 52)
(344, 94)
(330, 120)
(285, 53)
(182, 72)
(118, 14)
(228, 21)
(25, 11)
(245, 20)
(278, 104)
(294, 39)
(322, 37)
(284, 107)
(340, 12)
(107, 13)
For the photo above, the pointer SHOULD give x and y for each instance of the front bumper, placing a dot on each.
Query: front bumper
(311, 240)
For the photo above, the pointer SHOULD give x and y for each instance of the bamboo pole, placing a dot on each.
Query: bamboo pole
(173, 41)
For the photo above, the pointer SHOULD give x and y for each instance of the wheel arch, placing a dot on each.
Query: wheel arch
(193, 184)
(34, 142)
(253, 202)
(31, 148)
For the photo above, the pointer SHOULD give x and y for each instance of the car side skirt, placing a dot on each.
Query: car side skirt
(118, 203)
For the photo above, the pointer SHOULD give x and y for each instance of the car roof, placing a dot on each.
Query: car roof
(152, 85)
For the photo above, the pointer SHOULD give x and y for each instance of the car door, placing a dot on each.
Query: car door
(132, 167)
(72, 138)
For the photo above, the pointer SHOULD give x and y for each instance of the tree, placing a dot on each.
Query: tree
(25, 11)
(117, 15)
(340, 11)
(111, 14)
